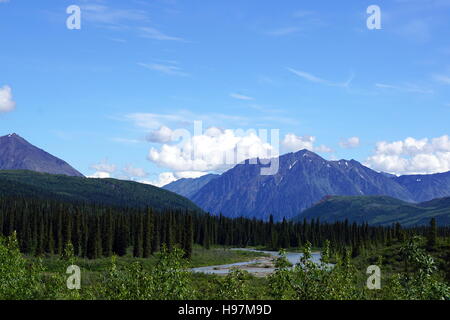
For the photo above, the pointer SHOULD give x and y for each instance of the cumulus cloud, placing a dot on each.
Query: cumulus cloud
(103, 170)
(350, 143)
(133, 172)
(6, 99)
(100, 175)
(412, 156)
(162, 180)
(104, 166)
(162, 135)
(165, 178)
(213, 150)
(293, 143)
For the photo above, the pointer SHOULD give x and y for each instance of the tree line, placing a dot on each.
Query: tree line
(48, 226)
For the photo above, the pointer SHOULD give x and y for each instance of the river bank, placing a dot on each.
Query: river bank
(259, 267)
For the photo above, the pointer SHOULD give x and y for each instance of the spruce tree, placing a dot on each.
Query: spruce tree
(432, 235)
(148, 232)
(188, 237)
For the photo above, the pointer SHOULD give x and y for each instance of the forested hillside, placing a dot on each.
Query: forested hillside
(100, 191)
(378, 210)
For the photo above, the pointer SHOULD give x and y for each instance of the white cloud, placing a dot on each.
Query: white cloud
(162, 180)
(189, 174)
(103, 170)
(100, 175)
(133, 172)
(104, 166)
(167, 177)
(350, 143)
(412, 156)
(312, 78)
(152, 121)
(6, 99)
(294, 143)
(241, 97)
(170, 70)
(323, 149)
(214, 150)
(162, 135)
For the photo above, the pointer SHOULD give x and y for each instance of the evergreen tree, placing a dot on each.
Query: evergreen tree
(188, 237)
(432, 235)
(148, 232)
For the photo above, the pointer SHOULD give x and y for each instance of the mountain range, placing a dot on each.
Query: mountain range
(378, 210)
(303, 179)
(187, 187)
(18, 154)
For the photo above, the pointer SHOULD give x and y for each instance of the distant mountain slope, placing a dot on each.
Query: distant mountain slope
(188, 187)
(303, 179)
(378, 210)
(18, 154)
(426, 187)
(102, 191)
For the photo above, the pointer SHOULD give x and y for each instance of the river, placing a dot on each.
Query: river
(259, 266)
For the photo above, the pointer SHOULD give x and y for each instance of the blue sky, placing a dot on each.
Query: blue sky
(98, 97)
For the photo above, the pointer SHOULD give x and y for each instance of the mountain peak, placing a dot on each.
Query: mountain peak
(307, 154)
(11, 135)
(18, 154)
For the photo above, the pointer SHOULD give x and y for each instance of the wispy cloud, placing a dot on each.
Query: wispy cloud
(99, 13)
(443, 79)
(126, 140)
(283, 31)
(405, 88)
(302, 13)
(170, 70)
(416, 30)
(152, 33)
(312, 78)
(241, 97)
(123, 19)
